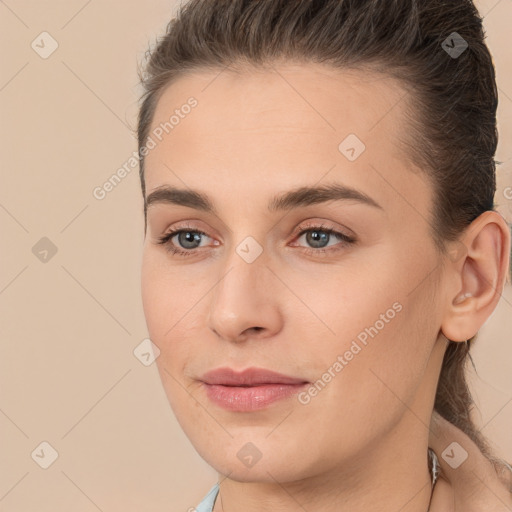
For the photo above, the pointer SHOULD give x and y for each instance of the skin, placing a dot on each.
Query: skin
(363, 439)
(477, 484)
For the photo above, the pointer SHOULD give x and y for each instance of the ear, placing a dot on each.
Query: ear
(478, 270)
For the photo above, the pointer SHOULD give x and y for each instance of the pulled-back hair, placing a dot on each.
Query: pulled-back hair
(450, 108)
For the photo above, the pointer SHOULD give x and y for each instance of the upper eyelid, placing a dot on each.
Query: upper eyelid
(310, 225)
(344, 240)
(299, 231)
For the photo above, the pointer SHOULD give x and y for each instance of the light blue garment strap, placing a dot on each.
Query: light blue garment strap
(209, 500)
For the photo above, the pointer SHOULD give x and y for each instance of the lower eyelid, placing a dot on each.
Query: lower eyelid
(343, 240)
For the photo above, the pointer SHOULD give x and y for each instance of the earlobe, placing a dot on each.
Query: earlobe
(479, 275)
(457, 327)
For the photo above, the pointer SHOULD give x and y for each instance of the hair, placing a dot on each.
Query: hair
(450, 108)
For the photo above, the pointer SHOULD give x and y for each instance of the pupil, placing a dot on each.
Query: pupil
(190, 237)
(315, 236)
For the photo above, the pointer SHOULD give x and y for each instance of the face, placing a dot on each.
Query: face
(335, 288)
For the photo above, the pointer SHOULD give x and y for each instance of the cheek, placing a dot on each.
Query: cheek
(154, 299)
(162, 313)
(167, 296)
(341, 302)
(173, 304)
(375, 338)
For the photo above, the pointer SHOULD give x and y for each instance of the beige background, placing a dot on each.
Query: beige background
(68, 374)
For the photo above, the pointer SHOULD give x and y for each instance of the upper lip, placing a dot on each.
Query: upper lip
(248, 377)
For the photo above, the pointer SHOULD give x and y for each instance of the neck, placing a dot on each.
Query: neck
(392, 475)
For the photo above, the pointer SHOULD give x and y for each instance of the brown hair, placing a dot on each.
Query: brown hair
(451, 108)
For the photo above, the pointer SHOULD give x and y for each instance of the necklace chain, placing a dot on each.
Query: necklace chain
(434, 472)
(434, 465)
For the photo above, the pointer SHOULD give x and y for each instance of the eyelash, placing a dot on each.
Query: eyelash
(166, 239)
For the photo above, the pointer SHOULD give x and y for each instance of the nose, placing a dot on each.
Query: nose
(245, 302)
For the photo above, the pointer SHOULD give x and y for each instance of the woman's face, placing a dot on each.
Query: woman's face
(355, 314)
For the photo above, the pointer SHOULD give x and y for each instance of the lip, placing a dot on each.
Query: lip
(249, 377)
(249, 390)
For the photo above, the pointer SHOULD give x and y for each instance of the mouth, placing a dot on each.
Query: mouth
(250, 390)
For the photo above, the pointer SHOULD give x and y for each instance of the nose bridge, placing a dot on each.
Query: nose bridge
(243, 297)
(241, 274)
(246, 255)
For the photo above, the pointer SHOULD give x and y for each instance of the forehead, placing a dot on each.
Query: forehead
(272, 128)
(311, 97)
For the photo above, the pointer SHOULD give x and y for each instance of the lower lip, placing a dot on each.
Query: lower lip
(251, 398)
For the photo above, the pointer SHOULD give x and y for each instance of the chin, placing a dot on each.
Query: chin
(252, 458)
(263, 471)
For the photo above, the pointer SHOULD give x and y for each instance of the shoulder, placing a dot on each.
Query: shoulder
(467, 478)
(209, 500)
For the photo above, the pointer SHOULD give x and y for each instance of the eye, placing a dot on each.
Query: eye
(318, 236)
(188, 238)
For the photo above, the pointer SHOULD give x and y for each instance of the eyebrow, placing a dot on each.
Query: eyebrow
(296, 198)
